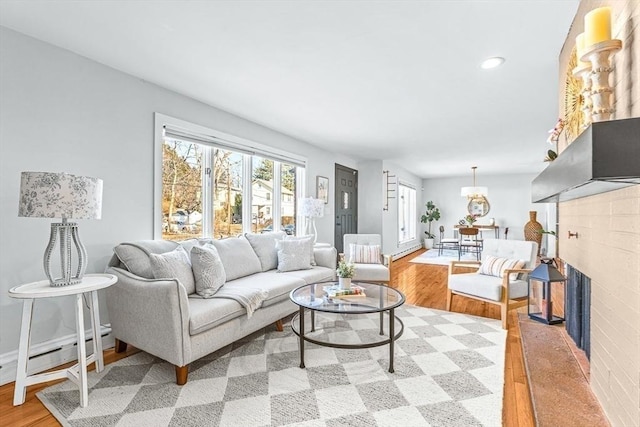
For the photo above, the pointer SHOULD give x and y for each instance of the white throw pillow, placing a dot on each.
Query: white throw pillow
(294, 254)
(312, 258)
(364, 254)
(495, 266)
(238, 257)
(174, 265)
(208, 270)
(264, 245)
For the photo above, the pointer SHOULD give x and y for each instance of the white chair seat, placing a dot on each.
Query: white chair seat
(484, 286)
(373, 272)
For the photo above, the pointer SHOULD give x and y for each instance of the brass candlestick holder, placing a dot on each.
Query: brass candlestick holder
(584, 72)
(600, 57)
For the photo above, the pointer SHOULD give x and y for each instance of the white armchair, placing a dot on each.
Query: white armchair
(506, 288)
(379, 272)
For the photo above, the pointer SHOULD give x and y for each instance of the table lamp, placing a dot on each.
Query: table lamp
(66, 196)
(311, 209)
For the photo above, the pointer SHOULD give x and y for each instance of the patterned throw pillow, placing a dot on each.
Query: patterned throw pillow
(364, 254)
(294, 254)
(208, 270)
(312, 257)
(494, 266)
(174, 265)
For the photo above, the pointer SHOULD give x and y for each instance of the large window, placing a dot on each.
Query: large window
(214, 188)
(407, 216)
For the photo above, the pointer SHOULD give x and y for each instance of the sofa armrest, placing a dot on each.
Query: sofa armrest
(150, 314)
(326, 257)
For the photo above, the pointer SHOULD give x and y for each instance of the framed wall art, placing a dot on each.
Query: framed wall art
(322, 188)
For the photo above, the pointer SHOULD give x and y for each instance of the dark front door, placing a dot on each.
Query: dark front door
(346, 204)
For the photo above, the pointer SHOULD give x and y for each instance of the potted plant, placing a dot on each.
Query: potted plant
(471, 218)
(432, 214)
(345, 272)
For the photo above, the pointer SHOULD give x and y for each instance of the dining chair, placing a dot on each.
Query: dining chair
(446, 242)
(468, 242)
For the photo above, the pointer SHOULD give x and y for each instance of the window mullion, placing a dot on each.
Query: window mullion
(208, 218)
(247, 178)
(276, 210)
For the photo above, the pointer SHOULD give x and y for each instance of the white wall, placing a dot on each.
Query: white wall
(509, 197)
(63, 112)
(370, 197)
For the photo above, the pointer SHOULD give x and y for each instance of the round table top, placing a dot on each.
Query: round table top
(43, 289)
(377, 298)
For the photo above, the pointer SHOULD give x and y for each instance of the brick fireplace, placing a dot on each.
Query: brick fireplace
(607, 249)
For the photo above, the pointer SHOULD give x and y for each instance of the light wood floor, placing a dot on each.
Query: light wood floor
(423, 284)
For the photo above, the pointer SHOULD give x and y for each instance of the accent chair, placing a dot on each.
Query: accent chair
(365, 251)
(501, 277)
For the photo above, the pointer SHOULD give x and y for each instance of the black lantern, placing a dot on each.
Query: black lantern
(547, 274)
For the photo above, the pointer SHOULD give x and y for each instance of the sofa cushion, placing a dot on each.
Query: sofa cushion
(238, 257)
(277, 285)
(264, 245)
(312, 258)
(208, 270)
(174, 265)
(294, 254)
(315, 274)
(495, 266)
(364, 254)
(135, 256)
(484, 286)
(205, 314)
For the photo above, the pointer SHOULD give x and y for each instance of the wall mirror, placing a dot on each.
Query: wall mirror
(478, 206)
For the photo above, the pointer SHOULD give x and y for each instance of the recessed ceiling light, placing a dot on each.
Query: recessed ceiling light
(493, 62)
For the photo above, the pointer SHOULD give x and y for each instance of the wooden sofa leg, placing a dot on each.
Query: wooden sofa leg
(279, 326)
(181, 374)
(504, 314)
(449, 298)
(121, 346)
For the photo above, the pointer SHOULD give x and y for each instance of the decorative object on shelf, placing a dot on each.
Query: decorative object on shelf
(477, 196)
(431, 214)
(554, 134)
(551, 156)
(532, 230)
(311, 209)
(492, 221)
(345, 272)
(578, 69)
(541, 303)
(470, 219)
(322, 188)
(598, 49)
(66, 196)
(389, 190)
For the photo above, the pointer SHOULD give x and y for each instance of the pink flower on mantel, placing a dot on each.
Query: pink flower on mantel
(555, 132)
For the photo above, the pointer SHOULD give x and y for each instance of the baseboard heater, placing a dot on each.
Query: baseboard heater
(50, 354)
(406, 251)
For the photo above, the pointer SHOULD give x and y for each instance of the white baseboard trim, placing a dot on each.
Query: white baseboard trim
(407, 251)
(49, 354)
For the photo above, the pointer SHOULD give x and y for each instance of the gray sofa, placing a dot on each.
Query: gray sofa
(161, 317)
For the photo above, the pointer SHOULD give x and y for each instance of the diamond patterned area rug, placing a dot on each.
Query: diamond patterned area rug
(431, 257)
(449, 371)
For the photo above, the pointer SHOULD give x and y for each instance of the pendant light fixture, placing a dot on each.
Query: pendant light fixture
(474, 192)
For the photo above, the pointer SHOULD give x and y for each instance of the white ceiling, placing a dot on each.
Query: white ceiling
(394, 80)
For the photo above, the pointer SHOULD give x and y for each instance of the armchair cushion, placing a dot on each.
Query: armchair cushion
(364, 254)
(495, 266)
(174, 264)
(484, 286)
(374, 272)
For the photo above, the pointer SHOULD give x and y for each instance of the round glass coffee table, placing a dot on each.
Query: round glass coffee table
(343, 319)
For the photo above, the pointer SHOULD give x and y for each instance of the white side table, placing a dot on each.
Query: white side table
(90, 284)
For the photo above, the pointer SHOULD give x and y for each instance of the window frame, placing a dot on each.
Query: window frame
(223, 141)
(412, 219)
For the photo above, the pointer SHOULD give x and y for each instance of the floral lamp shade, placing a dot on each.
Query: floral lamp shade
(60, 195)
(66, 196)
(311, 208)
